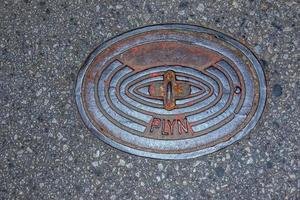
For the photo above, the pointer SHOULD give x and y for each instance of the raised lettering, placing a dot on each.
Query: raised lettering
(182, 126)
(155, 124)
(169, 126)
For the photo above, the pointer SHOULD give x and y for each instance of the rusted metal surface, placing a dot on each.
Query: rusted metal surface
(171, 91)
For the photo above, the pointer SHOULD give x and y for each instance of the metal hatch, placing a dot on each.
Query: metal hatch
(171, 91)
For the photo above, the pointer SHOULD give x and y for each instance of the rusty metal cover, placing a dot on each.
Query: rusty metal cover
(171, 91)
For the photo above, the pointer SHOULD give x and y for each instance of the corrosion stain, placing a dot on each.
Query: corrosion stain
(171, 91)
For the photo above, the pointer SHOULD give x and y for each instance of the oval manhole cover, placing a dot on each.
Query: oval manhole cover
(171, 91)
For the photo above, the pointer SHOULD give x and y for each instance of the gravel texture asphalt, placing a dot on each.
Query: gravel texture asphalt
(47, 153)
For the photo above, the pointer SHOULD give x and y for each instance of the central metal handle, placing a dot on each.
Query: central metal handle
(169, 83)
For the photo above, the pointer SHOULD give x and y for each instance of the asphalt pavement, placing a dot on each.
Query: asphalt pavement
(46, 152)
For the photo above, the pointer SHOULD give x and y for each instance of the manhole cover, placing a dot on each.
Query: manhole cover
(171, 91)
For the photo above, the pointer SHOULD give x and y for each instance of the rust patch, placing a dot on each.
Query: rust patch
(171, 91)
